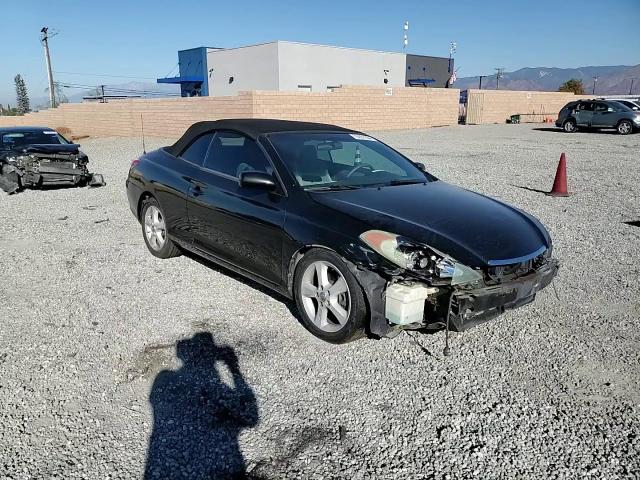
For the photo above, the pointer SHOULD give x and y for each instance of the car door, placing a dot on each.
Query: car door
(172, 184)
(240, 225)
(584, 114)
(604, 115)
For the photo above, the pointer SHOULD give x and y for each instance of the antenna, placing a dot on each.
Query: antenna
(144, 148)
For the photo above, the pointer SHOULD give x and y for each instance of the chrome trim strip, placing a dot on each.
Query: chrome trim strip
(510, 261)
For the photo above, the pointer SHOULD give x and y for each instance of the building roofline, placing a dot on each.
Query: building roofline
(323, 45)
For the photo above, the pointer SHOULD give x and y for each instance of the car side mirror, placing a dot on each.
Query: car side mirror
(420, 166)
(257, 180)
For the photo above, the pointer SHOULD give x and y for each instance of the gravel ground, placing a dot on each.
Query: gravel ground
(92, 327)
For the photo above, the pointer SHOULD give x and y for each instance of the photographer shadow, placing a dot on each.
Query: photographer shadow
(197, 417)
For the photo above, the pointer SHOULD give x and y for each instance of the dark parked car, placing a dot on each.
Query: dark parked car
(360, 236)
(40, 156)
(598, 114)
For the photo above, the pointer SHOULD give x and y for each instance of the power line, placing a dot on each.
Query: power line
(105, 75)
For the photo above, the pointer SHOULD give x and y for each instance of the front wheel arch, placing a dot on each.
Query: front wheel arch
(145, 196)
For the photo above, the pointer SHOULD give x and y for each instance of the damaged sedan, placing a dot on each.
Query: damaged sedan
(366, 241)
(33, 157)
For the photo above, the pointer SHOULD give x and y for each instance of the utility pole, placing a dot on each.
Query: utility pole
(595, 79)
(480, 86)
(499, 72)
(631, 87)
(45, 42)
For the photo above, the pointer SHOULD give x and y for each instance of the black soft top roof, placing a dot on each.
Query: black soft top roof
(251, 127)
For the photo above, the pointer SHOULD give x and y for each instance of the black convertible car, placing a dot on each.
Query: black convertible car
(365, 240)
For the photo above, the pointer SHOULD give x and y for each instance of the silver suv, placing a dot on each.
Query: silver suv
(587, 114)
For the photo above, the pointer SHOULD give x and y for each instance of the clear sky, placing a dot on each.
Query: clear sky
(141, 38)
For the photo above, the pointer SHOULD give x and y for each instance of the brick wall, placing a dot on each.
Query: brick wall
(496, 106)
(362, 108)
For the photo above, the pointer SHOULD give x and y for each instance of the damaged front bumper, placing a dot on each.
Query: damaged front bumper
(46, 165)
(478, 305)
(393, 306)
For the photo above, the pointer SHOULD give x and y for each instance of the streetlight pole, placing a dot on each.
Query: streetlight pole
(631, 87)
(595, 79)
(452, 49)
(498, 77)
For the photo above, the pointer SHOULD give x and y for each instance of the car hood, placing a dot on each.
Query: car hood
(69, 148)
(472, 228)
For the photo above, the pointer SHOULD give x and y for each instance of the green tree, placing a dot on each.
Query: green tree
(573, 85)
(22, 97)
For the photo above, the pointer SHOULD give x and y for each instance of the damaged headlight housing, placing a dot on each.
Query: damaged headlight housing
(418, 257)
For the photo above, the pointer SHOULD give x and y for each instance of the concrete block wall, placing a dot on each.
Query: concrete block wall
(496, 106)
(362, 108)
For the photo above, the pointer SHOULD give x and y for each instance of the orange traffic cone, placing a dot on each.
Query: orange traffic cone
(559, 188)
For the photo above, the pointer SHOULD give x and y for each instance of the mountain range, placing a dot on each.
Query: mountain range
(612, 80)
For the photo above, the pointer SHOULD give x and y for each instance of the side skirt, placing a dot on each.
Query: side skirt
(280, 289)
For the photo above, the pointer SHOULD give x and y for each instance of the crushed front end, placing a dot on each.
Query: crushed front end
(46, 165)
(432, 291)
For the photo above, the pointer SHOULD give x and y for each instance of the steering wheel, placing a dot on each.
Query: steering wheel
(358, 167)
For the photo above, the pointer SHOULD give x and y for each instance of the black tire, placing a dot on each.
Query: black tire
(168, 248)
(624, 127)
(354, 327)
(570, 126)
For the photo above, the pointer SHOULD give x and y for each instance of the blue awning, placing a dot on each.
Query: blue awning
(185, 79)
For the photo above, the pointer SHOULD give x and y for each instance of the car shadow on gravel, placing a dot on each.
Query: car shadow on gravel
(290, 304)
(199, 411)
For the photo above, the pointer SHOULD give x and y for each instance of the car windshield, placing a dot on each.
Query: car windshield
(13, 140)
(333, 161)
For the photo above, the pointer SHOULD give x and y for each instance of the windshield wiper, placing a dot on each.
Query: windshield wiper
(405, 181)
(327, 188)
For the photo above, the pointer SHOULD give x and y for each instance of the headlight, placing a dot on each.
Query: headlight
(637, 119)
(418, 257)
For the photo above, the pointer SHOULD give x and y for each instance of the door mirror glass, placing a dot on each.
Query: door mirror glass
(257, 180)
(420, 166)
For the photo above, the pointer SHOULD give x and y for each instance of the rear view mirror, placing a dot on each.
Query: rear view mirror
(257, 180)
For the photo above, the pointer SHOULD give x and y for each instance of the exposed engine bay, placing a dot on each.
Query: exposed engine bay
(37, 166)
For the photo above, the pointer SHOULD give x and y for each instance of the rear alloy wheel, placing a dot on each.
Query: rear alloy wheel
(329, 298)
(625, 127)
(569, 126)
(154, 230)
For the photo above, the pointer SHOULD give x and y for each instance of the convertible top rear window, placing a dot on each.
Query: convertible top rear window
(323, 160)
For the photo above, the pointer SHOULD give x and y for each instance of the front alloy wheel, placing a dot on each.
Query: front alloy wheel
(325, 296)
(625, 127)
(329, 298)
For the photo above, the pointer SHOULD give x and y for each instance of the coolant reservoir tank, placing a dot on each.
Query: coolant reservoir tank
(405, 302)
